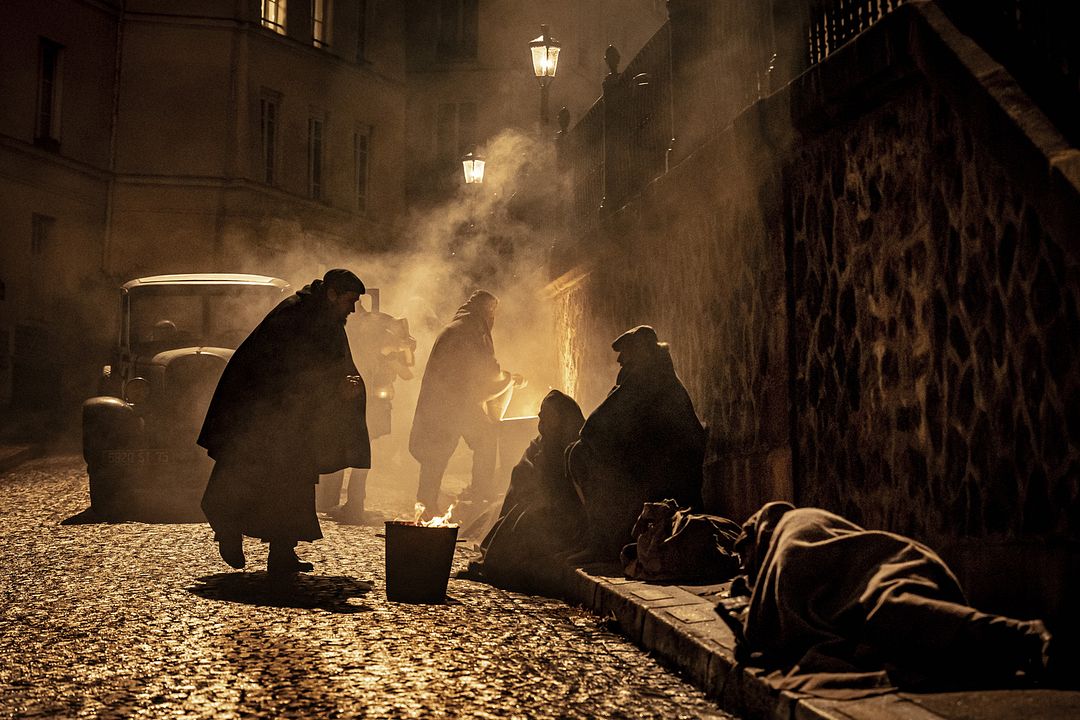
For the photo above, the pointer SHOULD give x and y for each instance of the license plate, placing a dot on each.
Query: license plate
(137, 457)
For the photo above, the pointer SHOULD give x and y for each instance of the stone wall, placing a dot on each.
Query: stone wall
(870, 284)
(699, 257)
(936, 332)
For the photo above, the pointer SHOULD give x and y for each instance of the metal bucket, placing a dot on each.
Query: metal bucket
(418, 561)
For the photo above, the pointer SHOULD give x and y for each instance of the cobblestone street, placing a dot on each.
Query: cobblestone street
(138, 620)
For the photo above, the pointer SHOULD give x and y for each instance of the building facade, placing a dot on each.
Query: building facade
(143, 136)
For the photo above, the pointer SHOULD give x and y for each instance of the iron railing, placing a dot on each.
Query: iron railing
(712, 59)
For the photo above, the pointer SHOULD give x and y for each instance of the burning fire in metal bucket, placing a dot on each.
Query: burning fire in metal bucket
(437, 521)
(419, 555)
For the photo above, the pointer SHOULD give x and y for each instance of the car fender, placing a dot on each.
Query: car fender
(109, 423)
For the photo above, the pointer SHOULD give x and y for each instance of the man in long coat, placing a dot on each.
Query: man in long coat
(289, 406)
(462, 374)
(644, 443)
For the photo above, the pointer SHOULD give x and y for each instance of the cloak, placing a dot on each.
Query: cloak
(278, 397)
(277, 420)
(541, 515)
(646, 435)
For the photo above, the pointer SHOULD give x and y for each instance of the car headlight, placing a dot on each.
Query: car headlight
(137, 390)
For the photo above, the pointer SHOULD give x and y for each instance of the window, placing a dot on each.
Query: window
(273, 15)
(320, 23)
(40, 232)
(458, 28)
(48, 110)
(361, 29)
(315, 158)
(361, 155)
(268, 122)
(455, 132)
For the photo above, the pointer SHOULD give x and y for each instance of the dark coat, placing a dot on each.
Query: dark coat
(843, 612)
(542, 515)
(644, 443)
(646, 432)
(461, 375)
(278, 399)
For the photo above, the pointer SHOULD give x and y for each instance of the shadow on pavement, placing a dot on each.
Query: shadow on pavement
(90, 516)
(323, 592)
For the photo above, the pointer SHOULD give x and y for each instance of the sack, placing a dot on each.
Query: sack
(674, 544)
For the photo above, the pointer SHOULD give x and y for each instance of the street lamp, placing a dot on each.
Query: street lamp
(473, 166)
(545, 59)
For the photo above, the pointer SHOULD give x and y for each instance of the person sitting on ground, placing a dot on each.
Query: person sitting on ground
(644, 443)
(844, 612)
(541, 515)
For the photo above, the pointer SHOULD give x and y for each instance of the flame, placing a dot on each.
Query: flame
(438, 521)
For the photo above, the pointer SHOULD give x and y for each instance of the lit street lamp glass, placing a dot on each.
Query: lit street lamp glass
(473, 165)
(545, 56)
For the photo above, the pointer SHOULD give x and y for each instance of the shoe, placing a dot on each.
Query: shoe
(286, 562)
(474, 571)
(472, 495)
(232, 551)
(349, 516)
(284, 567)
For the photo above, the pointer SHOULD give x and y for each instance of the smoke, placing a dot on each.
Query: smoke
(494, 236)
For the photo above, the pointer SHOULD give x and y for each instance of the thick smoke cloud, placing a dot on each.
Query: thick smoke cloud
(495, 236)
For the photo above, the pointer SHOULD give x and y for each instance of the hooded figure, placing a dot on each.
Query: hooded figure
(290, 405)
(541, 515)
(644, 443)
(845, 612)
(462, 375)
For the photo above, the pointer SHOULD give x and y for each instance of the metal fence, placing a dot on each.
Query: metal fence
(713, 59)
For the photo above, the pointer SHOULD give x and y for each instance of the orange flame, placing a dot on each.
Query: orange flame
(438, 521)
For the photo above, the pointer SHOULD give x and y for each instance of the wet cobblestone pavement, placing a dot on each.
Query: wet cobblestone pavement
(138, 620)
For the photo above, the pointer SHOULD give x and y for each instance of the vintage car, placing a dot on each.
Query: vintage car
(175, 335)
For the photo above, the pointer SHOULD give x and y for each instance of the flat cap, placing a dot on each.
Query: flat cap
(343, 280)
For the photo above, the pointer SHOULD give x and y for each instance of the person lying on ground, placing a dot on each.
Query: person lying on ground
(840, 611)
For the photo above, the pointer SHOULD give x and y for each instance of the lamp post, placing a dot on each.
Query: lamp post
(545, 60)
(473, 167)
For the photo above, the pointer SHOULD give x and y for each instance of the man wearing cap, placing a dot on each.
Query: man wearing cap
(644, 443)
(289, 406)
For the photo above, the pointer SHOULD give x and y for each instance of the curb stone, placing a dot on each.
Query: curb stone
(678, 623)
(11, 456)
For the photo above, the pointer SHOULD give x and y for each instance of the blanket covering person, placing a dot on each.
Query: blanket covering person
(281, 414)
(674, 544)
(541, 515)
(844, 612)
(644, 443)
(461, 375)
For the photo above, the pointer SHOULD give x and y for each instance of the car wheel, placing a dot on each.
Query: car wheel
(106, 490)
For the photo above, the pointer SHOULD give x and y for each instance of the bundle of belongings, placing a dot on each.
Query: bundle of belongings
(838, 611)
(676, 544)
